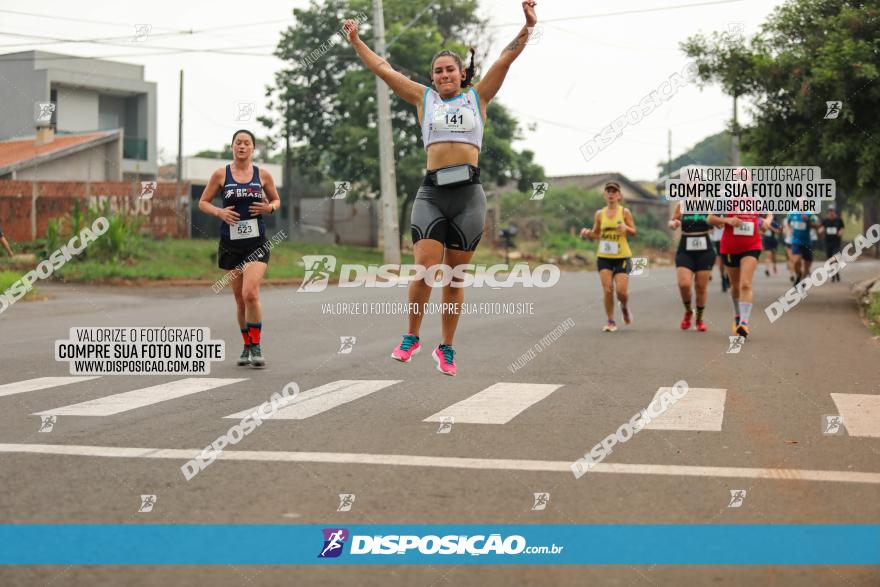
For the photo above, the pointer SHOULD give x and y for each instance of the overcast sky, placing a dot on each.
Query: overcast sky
(579, 76)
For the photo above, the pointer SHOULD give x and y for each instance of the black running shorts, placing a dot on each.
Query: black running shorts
(695, 260)
(231, 256)
(734, 260)
(453, 216)
(614, 265)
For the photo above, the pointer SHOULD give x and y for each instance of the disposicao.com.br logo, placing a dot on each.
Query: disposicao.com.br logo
(319, 267)
(431, 544)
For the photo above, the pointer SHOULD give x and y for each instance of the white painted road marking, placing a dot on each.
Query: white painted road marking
(326, 397)
(39, 383)
(497, 404)
(702, 408)
(447, 462)
(139, 398)
(861, 413)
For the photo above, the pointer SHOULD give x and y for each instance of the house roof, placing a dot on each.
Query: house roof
(593, 180)
(21, 153)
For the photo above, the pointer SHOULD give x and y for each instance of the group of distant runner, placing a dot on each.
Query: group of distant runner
(737, 241)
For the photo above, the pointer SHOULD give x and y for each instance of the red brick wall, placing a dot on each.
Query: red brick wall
(56, 199)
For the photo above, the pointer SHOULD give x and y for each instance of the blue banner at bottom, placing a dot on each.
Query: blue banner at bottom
(525, 544)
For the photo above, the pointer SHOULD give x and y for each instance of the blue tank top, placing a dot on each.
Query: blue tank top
(800, 224)
(242, 195)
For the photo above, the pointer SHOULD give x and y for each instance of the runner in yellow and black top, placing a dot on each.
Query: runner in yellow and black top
(611, 226)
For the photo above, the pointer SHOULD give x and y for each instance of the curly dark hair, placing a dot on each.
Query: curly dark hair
(469, 72)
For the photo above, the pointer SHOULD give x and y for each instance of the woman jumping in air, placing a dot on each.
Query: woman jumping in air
(450, 207)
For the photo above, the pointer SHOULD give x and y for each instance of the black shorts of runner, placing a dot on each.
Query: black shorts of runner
(769, 243)
(453, 215)
(831, 249)
(734, 260)
(231, 256)
(699, 260)
(615, 265)
(804, 251)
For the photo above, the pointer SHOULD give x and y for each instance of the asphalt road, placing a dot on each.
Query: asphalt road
(762, 427)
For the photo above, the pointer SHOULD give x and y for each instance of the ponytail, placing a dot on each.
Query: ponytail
(469, 73)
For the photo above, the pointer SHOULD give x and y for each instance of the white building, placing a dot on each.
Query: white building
(89, 95)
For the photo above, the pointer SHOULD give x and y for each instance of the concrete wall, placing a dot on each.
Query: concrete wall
(112, 113)
(20, 88)
(353, 224)
(77, 109)
(85, 67)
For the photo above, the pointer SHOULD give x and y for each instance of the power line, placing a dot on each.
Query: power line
(624, 12)
(72, 19)
(107, 40)
(136, 46)
(218, 51)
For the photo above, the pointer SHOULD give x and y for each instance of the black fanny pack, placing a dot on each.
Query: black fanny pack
(452, 176)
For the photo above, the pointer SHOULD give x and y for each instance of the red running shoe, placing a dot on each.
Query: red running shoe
(686, 321)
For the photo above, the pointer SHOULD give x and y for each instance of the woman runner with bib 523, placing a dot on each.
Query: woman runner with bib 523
(449, 211)
(611, 225)
(243, 249)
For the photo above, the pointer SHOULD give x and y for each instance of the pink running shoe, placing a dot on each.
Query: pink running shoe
(406, 349)
(444, 356)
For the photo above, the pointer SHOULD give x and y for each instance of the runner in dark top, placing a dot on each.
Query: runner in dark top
(832, 228)
(248, 192)
(694, 260)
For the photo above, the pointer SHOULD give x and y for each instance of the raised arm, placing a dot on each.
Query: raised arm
(489, 85)
(404, 87)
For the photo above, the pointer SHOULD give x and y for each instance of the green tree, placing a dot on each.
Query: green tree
(326, 98)
(807, 53)
(713, 150)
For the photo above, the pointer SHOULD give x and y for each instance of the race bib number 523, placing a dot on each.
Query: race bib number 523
(244, 229)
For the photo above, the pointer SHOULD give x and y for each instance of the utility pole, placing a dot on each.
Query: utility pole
(388, 181)
(669, 154)
(734, 139)
(180, 164)
(288, 180)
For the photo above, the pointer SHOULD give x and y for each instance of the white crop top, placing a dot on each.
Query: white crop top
(457, 120)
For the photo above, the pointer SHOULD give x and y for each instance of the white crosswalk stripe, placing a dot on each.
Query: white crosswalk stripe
(702, 408)
(497, 404)
(139, 398)
(39, 383)
(860, 412)
(326, 397)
